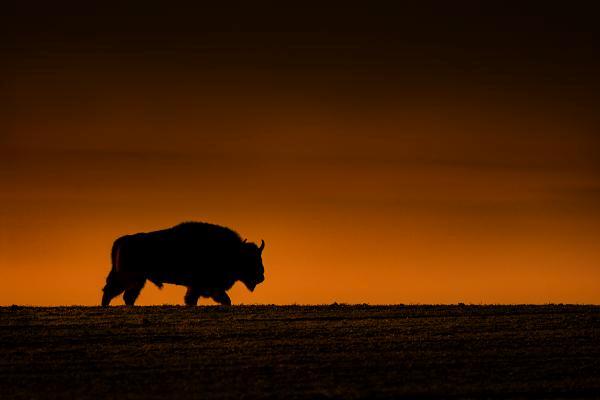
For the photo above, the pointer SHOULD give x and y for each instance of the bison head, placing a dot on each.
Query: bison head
(252, 271)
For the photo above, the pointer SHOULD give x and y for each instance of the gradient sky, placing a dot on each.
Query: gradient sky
(437, 153)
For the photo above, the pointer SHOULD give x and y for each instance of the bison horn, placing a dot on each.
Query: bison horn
(262, 245)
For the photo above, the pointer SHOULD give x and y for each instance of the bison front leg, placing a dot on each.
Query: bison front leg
(221, 298)
(191, 296)
(132, 293)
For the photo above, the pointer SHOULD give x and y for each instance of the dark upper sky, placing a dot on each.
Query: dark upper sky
(366, 52)
(422, 42)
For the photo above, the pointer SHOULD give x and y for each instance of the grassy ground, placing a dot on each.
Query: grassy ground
(300, 352)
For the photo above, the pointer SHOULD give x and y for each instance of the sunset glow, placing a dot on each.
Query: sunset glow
(374, 173)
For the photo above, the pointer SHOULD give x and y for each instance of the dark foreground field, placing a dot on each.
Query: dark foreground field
(300, 352)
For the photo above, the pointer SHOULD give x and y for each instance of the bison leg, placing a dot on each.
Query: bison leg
(191, 296)
(112, 289)
(132, 293)
(221, 298)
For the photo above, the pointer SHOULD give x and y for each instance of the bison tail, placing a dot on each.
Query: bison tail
(114, 254)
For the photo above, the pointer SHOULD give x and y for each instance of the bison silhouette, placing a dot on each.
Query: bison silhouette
(206, 258)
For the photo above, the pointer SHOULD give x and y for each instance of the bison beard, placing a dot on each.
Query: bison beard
(208, 259)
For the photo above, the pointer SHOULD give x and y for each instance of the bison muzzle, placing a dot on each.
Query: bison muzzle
(206, 258)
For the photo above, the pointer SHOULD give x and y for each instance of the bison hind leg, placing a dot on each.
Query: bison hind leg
(222, 298)
(131, 294)
(112, 289)
(191, 296)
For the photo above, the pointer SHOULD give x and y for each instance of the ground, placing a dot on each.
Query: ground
(293, 352)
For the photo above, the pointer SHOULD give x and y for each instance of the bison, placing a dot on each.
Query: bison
(206, 258)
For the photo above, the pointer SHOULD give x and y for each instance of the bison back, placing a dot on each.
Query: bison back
(183, 252)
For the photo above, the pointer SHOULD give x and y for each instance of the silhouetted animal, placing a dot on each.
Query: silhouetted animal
(206, 258)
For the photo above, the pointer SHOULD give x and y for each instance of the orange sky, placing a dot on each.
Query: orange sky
(377, 184)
